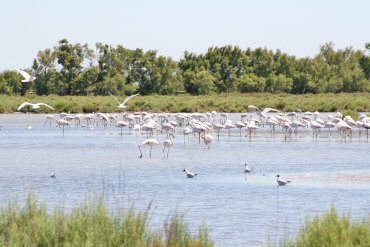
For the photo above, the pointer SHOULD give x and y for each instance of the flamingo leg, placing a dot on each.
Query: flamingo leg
(150, 153)
(141, 154)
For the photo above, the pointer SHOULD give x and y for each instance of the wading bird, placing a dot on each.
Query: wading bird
(168, 143)
(148, 142)
(189, 174)
(207, 140)
(34, 106)
(53, 175)
(123, 104)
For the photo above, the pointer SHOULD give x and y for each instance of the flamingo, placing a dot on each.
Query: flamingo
(121, 124)
(62, 122)
(218, 127)
(123, 104)
(48, 118)
(148, 142)
(34, 106)
(168, 143)
(208, 140)
(282, 182)
(189, 174)
(187, 131)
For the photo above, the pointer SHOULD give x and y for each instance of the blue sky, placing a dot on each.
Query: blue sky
(171, 27)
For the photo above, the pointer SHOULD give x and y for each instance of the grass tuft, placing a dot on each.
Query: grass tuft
(91, 224)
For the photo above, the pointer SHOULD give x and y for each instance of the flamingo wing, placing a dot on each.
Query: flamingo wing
(23, 105)
(114, 98)
(128, 98)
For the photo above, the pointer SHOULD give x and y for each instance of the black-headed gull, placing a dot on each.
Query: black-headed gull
(34, 106)
(247, 169)
(281, 181)
(123, 104)
(189, 174)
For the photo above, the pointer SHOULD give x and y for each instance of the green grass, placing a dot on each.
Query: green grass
(91, 224)
(354, 102)
(332, 230)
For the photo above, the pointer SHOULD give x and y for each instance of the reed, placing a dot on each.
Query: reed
(355, 102)
(332, 230)
(90, 224)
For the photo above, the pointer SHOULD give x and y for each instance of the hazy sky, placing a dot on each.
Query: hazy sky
(171, 27)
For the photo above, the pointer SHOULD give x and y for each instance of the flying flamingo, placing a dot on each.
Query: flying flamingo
(168, 143)
(148, 142)
(123, 104)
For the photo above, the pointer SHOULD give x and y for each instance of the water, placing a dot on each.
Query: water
(239, 210)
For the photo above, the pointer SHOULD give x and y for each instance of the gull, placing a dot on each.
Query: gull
(262, 113)
(189, 174)
(53, 175)
(122, 105)
(281, 182)
(34, 106)
(247, 169)
(27, 77)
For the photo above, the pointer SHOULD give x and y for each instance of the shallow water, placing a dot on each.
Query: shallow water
(239, 210)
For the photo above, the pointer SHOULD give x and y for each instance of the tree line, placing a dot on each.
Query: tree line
(77, 69)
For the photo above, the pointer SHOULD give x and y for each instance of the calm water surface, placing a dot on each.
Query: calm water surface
(239, 210)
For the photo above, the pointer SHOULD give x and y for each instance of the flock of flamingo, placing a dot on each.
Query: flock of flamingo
(204, 125)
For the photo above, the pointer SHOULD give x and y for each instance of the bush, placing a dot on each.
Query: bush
(333, 230)
(91, 224)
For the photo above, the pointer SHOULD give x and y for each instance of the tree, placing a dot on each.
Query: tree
(250, 83)
(198, 83)
(71, 58)
(279, 84)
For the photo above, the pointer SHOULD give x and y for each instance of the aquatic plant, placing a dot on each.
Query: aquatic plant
(90, 224)
(233, 102)
(332, 230)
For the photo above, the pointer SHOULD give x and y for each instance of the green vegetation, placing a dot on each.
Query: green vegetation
(349, 103)
(90, 225)
(76, 69)
(331, 230)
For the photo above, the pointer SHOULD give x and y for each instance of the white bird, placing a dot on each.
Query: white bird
(123, 104)
(189, 174)
(34, 106)
(247, 169)
(53, 175)
(148, 142)
(281, 181)
(208, 140)
(27, 77)
(168, 143)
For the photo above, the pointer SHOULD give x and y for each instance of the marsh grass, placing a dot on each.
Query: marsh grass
(353, 102)
(332, 230)
(90, 224)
